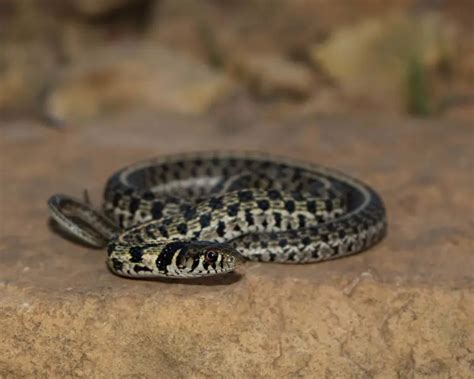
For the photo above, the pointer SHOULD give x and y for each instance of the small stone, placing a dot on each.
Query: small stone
(273, 75)
(139, 75)
(24, 72)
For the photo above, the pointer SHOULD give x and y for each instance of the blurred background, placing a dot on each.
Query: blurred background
(71, 61)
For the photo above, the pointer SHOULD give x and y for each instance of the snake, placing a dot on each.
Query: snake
(204, 214)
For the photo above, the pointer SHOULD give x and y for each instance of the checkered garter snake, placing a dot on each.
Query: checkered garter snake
(202, 214)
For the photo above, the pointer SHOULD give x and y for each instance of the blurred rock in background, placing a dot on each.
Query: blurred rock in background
(134, 75)
(77, 59)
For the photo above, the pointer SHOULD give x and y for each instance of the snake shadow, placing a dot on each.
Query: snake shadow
(215, 280)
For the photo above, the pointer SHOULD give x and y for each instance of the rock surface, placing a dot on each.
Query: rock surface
(403, 309)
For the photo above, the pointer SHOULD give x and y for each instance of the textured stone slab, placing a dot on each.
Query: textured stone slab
(401, 309)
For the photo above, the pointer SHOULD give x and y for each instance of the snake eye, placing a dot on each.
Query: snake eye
(211, 256)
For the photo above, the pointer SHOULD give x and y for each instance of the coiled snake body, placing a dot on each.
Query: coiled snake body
(202, 214)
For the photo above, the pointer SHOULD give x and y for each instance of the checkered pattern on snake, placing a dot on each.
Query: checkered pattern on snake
(202, 214)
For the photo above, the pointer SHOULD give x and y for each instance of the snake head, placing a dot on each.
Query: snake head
(180, 259)
(204, 258)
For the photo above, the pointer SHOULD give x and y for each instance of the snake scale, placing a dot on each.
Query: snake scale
(202, 214)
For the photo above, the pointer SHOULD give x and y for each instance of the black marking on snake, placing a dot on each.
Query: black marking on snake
(215, 203)
(225, 172)
(290, 206)
(311, 206)
(274, 194)
(138, 269)
(277, 217)
(306, 241)
(283, 242)
(297, 195)
(249, 218)
(193, 171)
(117, 265)
(150, 231)
(341, 233)
(182, 228)
(205, 220)
(148, 196)
(233, 210)
(157, 210)
(176, 175)
(136, 252)
(163, 231)
(166, 255)
(195, 263)
(116, 200)
(265, 164)
(134, 204)
(329, 205)
(181, 258)
(320, 219)
(263, 204)
(245, 196)
(110, 248)
(220, 229)
(221, 263)
(188, 211)
(301, 221)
